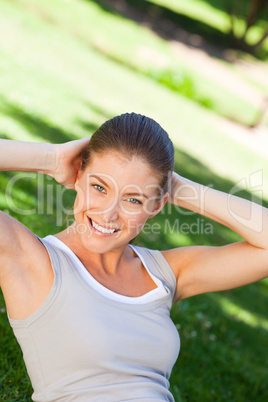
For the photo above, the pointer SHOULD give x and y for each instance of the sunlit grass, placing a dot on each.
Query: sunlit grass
(241, 314)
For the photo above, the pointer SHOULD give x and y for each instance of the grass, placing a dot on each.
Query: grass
(135, 45)
(59, 80)
(215, 96)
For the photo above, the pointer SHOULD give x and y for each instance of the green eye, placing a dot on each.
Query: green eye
(99, 188)
(134, 201)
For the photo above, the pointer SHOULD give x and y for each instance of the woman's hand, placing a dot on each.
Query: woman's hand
(203, 269)
(180, 189)
(60, 161)
(68, 161)
(173, 188)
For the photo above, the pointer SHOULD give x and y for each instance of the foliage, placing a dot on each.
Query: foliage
(246, 15)
(240, 24)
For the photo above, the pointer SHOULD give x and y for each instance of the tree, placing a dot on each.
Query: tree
(253, 13)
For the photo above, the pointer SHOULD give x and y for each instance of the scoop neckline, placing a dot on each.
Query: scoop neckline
(116, 297)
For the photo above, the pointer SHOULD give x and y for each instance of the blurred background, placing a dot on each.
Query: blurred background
(198, 67)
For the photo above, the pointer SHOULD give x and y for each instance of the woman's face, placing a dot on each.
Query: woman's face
(115, 197)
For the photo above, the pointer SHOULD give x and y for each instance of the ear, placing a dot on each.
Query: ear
(160, 205)
(78, 177)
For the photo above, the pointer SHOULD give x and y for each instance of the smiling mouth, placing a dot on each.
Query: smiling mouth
(102, 229)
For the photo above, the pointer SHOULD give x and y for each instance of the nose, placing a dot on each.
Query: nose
(111, 214)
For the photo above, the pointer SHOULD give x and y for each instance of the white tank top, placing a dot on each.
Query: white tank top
(81, 345)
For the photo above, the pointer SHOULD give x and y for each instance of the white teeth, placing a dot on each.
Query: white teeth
(101, 229)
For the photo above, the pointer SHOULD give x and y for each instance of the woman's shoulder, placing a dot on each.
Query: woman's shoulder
(169, 255)
(17, 242)
(25, 270)
(157, 261)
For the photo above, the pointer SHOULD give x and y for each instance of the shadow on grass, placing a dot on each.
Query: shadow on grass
(173, 25)
(175, 80)
(36, 125)
(99, 110)
(169, 24)
(227, 355)
(43, 128)
(242, 8)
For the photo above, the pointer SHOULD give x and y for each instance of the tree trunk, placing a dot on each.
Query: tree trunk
(256, 6)
(234, 9)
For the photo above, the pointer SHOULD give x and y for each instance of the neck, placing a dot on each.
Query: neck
(108, 262)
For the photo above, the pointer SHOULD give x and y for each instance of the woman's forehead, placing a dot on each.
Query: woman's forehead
(116, 169)
(117, 162)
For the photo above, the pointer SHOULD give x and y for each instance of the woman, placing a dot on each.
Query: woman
(91, 311)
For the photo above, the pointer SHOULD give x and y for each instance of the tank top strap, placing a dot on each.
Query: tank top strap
(56, 256)
(159, 266)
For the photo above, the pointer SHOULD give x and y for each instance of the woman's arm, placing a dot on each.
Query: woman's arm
(27, 156)
(206, 269)
(25, 271)
(248, 219)
(61, 161)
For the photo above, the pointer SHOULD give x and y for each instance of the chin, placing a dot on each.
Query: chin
(101, 245)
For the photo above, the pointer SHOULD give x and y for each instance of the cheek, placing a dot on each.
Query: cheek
(86, 200)
(134, 223)
(149, 207)
(80, 202)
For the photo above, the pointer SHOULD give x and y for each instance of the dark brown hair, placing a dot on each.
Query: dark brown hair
(134, 135)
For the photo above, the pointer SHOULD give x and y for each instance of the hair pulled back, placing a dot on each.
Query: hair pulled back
(134, 135)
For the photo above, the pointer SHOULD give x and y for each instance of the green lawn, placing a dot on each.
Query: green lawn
(67, 66)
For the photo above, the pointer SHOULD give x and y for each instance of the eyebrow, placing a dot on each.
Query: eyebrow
(128, 194)
(98, 178)
(137, 194)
